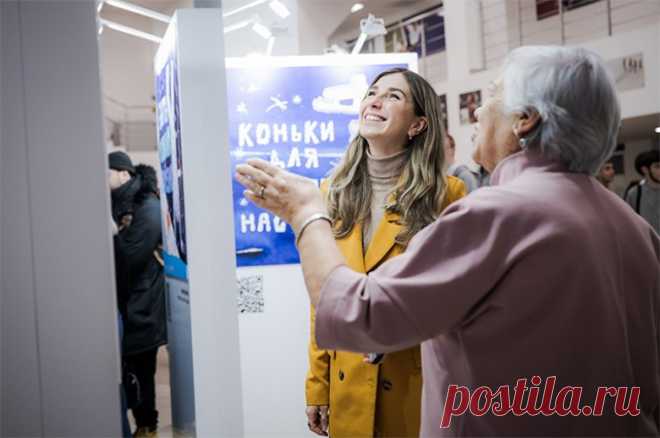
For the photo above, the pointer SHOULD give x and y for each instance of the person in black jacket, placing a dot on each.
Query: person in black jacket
(140, 279)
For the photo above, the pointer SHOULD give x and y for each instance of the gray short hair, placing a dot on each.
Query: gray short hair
(575, 96)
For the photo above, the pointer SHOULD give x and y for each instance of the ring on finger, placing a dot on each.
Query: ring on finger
(261, 192)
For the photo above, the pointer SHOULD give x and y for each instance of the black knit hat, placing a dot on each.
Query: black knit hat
(119, 160)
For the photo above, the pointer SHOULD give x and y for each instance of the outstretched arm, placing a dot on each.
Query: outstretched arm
(295, 199)
(438, 283)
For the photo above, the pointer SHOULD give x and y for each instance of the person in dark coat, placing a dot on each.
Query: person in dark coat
(140, 279)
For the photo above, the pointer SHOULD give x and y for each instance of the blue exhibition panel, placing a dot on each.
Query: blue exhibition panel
(301, 116)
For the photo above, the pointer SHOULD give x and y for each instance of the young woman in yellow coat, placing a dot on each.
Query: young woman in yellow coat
(390, 184)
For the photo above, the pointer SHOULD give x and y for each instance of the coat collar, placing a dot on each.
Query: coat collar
(351, 247)
(522, 161)
(383, 240)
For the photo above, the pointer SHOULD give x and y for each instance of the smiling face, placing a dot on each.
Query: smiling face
(494, 138)
(387, 115)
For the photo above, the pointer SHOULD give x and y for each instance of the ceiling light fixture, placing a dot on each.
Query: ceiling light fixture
(130, 31)
(357, 7)
(262, 30)
(242, 8)
(657, 130)
(139, 10)
(369, 28)
(279, 8)
(269, 47)
(237, 26)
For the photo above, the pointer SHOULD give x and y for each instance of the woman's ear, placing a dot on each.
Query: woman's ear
(418, 126)
(525, 123)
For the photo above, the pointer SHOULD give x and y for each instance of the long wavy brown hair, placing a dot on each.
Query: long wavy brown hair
(421, 188)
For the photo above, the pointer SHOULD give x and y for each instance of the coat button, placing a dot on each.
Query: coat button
(341, 375)
(387, 385)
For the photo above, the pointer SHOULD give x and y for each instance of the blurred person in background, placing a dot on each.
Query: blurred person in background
(140, 282)
(606, 173)
(460, 171)
(644, 197)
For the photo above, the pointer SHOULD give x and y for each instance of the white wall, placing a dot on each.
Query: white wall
(127, 61)
(497, 40)
(644, 37)
(511, 23)
(274, 355)
(316, 22)
(128, 79)
(127, 64)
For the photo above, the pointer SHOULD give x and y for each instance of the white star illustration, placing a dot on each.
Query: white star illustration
(242, 108)
(297, 99)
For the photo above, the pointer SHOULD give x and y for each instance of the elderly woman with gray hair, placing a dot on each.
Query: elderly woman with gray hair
(537, 300)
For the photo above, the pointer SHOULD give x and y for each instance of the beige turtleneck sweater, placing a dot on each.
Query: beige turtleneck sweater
(384, 173)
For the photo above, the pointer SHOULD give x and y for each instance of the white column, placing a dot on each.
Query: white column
(211, 280)
(457, 39)
(59, 333)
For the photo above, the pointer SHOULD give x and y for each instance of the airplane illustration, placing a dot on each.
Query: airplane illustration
(278, 103)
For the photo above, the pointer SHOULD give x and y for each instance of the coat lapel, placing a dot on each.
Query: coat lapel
(382, 241)
(351, 247)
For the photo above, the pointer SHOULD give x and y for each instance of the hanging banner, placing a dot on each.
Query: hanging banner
(299, 113)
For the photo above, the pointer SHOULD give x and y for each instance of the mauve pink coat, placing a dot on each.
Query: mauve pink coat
(546, 273)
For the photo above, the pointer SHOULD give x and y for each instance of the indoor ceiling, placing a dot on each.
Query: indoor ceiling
(163, 6)
(351, 24)
(635, 128)
(380, 8)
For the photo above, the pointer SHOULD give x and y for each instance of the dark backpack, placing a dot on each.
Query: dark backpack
(638, 198)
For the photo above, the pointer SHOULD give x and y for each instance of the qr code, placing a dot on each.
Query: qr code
(251, 294)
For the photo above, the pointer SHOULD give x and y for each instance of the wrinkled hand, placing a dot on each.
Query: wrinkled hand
(291, 197)
(317, 419)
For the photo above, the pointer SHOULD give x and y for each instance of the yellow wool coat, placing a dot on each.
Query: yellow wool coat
(370, 400)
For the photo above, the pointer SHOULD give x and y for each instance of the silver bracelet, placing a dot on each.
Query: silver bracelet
(312, 218)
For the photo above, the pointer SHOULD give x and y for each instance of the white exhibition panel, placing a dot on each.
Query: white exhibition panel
(274, 355)
(200, 266)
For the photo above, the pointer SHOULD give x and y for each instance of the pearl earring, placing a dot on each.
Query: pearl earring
(522, 142)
